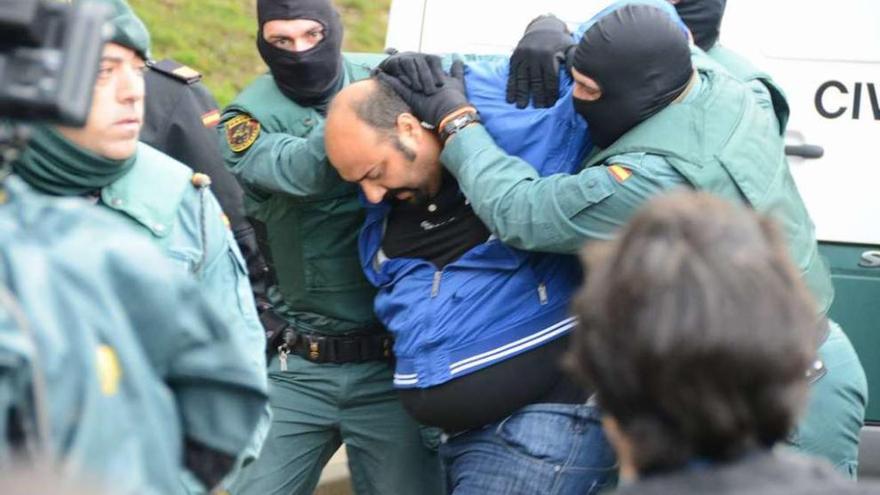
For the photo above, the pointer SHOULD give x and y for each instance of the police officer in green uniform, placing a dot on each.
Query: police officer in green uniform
(112, 365)
(842, 385)
(179, 119)
(157, 196)
(330, 380)
(661, 127)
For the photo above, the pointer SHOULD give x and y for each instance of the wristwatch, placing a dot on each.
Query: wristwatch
(457, 124)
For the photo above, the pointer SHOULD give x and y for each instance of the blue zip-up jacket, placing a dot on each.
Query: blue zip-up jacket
(494, 302)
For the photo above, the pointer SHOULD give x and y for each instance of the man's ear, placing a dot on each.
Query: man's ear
(410, 130)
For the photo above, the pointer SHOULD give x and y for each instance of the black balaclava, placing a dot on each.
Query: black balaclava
(313, 76)
(703, 18)
(641, 60)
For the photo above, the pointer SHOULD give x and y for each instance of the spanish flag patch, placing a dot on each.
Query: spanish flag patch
(619, 172)
(211, 118)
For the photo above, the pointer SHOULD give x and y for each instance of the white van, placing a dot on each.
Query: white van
(825, 55)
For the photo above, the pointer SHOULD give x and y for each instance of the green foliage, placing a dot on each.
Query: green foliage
(218, 37)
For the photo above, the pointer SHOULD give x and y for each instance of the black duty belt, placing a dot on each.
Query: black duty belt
(354, 347)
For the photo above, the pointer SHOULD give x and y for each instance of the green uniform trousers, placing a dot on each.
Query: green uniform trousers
(836, 409)
(318, 407)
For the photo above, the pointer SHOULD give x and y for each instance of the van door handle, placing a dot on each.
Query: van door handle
(808, 151)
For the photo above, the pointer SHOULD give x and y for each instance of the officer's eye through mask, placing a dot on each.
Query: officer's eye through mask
(703, 18)
(310, 77)
(641, 60)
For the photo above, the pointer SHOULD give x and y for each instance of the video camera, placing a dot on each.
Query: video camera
(49, 56)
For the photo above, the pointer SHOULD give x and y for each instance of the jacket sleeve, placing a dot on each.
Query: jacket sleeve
(281, 163)
(15, 378)
(223, 268)
(219, 392)
(557, 213)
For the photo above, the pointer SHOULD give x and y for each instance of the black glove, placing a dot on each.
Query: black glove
(431, 108)
(534, 65)
(423, 73)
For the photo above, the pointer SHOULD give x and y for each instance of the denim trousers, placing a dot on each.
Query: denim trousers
(540, 449)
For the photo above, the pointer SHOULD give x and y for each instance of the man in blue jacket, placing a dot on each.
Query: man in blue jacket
(479, 326)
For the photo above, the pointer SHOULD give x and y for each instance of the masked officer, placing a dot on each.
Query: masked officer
(831, 426)
(660, 127)
(114, 368)
(155, 194)
(179, 119)
(332, 381)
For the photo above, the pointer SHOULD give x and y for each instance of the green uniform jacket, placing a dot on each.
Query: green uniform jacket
(161, 198)
(721, 138)
(742, 69)
(311, 216)
(133, 357)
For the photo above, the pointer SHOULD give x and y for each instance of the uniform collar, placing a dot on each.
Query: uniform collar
(694, 89)
(151, 192)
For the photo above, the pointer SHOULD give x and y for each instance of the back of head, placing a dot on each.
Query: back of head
(696, 331)
(703, 18)
(381, 107)
(369, 103)
(640, 59)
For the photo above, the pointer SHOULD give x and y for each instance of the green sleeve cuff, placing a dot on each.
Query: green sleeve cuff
(463, 144)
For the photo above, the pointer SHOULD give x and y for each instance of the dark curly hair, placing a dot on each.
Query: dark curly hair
(696, 332)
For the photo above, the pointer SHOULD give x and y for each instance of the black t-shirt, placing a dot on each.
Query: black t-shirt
(441, 230)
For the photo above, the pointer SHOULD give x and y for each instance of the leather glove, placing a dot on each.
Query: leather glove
(423, 73)
(534, 65)
(447, 97)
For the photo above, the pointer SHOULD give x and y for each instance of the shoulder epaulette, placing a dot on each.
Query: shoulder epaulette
(177, 71)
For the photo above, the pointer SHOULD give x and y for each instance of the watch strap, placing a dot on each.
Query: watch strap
(458, 123)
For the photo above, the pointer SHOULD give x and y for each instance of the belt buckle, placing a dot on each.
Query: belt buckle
(314, 348)
(386, 347)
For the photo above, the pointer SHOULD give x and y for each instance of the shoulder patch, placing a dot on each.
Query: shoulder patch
(241, 132)
(177, 71)
(200, 180)
(619, 172)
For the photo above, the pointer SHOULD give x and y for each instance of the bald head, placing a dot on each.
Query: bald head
(345, 134)
(372, 138)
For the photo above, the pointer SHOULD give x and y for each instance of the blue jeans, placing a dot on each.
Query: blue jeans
(540, 449)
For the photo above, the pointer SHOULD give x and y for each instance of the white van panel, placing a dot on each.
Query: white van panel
(475, 26)
(843, 30)
(805, 45)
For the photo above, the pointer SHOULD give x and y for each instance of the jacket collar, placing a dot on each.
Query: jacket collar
(151, 193)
